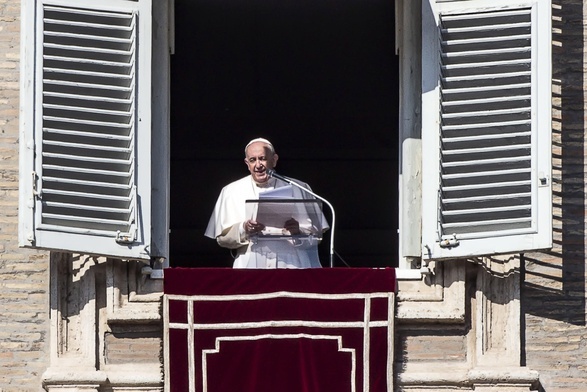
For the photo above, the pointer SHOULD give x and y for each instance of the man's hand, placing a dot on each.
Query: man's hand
(292, 226)
(253, 227)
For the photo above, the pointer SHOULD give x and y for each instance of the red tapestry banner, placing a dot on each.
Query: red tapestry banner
(279, 330)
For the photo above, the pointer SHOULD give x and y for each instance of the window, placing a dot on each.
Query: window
(86, 126)
(486, 128)
(94, 165)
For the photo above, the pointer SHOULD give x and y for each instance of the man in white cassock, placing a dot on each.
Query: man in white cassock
(233, 227)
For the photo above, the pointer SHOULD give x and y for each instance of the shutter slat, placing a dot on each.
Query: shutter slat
(485, 125)
(491, 185)
(481, 89)
(87, 122)
(493, 77)
(88, 158)
(476, 41)
(104, 75)
(485, 161)
(123, 63)
(498, 136)
(500, 148)
(93, 50)
(486, 113)
(502, 14)
(485, 197)
(82, 208)
(87, 134)
(482, 101)
(85, 170)
(86, 183)
(486, 64)
(480, 229)
(62, 35)
(88, 25)
(89, 110)
(85, 11)
(473, 224)
(88, 85)
(487, 210)
(78, 97)
(74, 218)
(74, 230)
(481, 27)
(485, 173)
(87, 195)
(523, 51)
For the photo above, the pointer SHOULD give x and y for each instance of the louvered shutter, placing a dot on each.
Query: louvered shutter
(486, 128)
(88, 123)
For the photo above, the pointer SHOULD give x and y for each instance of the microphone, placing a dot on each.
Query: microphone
(272, 173)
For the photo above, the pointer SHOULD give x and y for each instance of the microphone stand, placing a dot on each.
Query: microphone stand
(272, 173)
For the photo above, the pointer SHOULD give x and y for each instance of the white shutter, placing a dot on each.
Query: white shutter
(486, 129)
(86, 127)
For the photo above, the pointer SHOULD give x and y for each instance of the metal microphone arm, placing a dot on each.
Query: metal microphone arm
(272, 173)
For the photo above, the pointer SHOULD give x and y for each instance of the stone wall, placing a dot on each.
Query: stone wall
(24, 276)
(106, 326)
(553, 293)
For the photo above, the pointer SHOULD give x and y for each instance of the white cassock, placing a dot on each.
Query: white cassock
(226, 226)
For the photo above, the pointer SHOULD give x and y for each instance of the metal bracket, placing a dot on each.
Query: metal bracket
(543, 179)
(155, 269)
(449, 241)
(125, 238)
(36, 192)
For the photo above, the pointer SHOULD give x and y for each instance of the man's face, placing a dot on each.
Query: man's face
(259, 158)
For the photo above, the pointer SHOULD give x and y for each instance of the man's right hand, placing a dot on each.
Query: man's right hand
(253, 227)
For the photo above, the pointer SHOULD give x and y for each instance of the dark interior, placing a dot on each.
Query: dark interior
(316, 77)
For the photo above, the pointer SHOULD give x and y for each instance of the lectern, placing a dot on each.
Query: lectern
(277, 247)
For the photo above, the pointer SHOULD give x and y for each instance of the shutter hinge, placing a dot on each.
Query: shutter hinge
(36, 191)
(448, 241)
(127, 238)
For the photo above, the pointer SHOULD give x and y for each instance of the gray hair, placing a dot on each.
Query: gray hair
(262, 140)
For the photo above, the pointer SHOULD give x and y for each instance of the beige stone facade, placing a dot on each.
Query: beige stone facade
(24, 274)
(80, 323)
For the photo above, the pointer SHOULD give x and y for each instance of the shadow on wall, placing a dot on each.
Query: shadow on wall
(554, 282)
